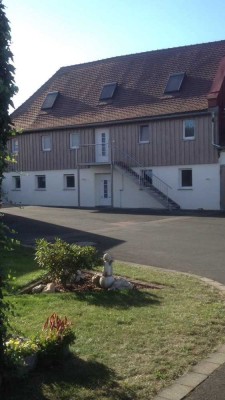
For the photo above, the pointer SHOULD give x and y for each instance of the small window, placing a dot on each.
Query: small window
(15, 145)
(74, 140)
(186, 178)
(69, 181)
(49, 100)
(16, 183)
(188, 129)
(174, 82)
(108, 91)
(144, 134)
(46, 143)
(40, 182)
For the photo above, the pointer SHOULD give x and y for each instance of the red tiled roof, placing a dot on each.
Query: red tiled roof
(141, 79)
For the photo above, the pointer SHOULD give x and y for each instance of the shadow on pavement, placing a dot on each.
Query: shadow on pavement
(28, 230)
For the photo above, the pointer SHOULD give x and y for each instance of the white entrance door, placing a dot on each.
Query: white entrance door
(103, 189)
(102, 145)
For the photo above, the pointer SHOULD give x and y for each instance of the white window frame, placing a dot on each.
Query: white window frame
(15, 178)
(36, 182)
(77, 135)
(65, 182)
(15, 146)
(180, 179)
(185, 122)
(140, 132)
(46, 143)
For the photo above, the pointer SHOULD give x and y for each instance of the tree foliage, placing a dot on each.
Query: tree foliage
(7, 90)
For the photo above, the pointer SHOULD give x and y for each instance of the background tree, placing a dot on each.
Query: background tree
(7, 90)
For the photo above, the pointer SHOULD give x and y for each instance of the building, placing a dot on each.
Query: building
(137, 131)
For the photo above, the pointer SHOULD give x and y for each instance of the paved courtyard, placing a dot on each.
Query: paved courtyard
(186, 242)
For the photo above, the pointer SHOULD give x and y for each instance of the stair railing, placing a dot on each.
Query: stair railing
(128, 163)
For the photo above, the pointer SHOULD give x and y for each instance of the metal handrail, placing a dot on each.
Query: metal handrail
(157, 182)
(127, 163)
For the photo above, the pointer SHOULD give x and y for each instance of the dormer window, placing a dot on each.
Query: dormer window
(174, 82)
(49, 100)
(108, 91)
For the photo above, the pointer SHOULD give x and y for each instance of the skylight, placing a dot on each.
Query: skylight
(108, 91)
(174, 82)
(49, 100)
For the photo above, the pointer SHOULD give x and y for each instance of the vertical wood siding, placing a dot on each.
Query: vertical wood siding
(166, 146)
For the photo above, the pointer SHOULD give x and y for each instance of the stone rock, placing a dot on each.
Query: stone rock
(106, 281)
(120, 284)
(49, 288)
(38, 288)
(78, 276)
(96, 279)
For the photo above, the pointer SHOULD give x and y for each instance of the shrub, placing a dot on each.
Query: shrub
(61, 260)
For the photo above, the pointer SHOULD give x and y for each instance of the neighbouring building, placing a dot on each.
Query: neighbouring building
(137, 131)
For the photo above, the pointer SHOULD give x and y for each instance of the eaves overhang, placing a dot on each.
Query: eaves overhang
(121, 121)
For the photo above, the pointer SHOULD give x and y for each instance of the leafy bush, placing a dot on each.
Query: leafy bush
(61, 260)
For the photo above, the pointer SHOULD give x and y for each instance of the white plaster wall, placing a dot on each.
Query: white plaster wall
(53, 195)
(222, 158)
(128, 195)
(87, 184)
(205, 192)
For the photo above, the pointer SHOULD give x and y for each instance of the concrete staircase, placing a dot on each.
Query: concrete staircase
(150, 183)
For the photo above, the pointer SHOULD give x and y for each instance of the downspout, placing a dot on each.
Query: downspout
(112, 173)
(217, 146)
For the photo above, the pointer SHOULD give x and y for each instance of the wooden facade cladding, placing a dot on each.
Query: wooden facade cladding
(166, 146)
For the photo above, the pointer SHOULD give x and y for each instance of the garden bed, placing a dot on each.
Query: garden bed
(86, 285)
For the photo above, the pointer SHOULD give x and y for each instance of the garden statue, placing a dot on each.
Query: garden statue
(107, 278)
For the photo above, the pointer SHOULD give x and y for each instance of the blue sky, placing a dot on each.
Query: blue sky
(49, 34)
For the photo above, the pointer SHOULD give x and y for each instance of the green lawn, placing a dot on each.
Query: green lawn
(129, 344)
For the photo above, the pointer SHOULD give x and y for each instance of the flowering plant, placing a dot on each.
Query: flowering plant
(49, 346)
(56, 337)
(17, 350)
(23, 347)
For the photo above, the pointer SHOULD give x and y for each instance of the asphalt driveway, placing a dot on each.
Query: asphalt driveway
(186, 242)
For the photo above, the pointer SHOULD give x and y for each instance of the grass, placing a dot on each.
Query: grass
(21, 266)
(129, 344)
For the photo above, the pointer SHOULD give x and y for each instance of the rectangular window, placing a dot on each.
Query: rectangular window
(16, 183)
(188, 129)
(15, 145)
(49, 100)
(74, 140)
(186, 178)
(108, 91)
(105, 188)
(146, 174)
(69, 181)
(46, 143)
(40, 182)
(174, 82)
(103, 144)
(144, 134)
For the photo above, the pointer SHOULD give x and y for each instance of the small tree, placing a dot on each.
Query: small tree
(7, 90)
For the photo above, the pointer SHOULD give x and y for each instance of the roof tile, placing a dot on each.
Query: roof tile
(141, 79)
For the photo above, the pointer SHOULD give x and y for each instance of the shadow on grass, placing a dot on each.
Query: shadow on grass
(74, 379)
(122, 299)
